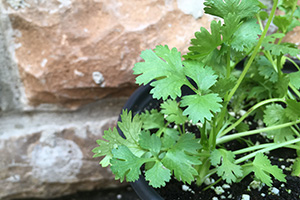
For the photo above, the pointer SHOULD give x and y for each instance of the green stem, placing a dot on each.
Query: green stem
(296, 147)
(294, 90)
(275, 146)
(259, 22)
(255, 51)
(293, 62)
(249, 112)
(279, 67)
(209, 186)
(247, 133)
(228, 69)
(252, 148)
(161, 130)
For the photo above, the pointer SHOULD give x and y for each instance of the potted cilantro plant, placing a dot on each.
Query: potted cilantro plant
(199, 106)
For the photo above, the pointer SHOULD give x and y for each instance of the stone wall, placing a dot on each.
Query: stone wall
(65, 72)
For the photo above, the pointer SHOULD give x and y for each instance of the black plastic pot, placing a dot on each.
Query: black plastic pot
(142, 100)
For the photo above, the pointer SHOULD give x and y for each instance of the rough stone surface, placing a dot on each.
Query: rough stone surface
(60, 45)
(49, 154)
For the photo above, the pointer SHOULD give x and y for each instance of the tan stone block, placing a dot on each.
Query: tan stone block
(62, 43)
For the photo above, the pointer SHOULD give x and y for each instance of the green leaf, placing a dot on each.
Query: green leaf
(258, 92)
(293, 24)
(287, 4)
(130, 126)
(172, 111)
(205, 43)
(295, 79)
(242, 127)
(125, 164)
(263, 15)
(105, 147)
(266, 69)
(152, 119)
(169, 138)
(293, 109)
(231, 25)
(158, 175)
(282, 22)
(200, 108)
(204, 77)
(279, 49)
(275, 114)
(263, 168)
(224, 85)
(181, 158)
(165, 66)
(150, 142)
(246, 36)
(281, 86)
(221, 8)
(224, 161)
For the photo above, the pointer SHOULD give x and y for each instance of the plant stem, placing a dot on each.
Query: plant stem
(255, 51)
(252, 148)
(275, 146)
(294, 90)
(228, 69)
(259, 22)
(249, 112)
(293, 62)
(246, 133)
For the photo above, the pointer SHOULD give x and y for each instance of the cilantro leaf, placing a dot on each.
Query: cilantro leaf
(293, 109)
(158, 175)
(200, 108)
(169, 138)
(224, 85)
(131, 127)
(205, 43)
(242, 127)
(266, 69)
(281, 86)
(231, 24)
(275, 114)
(279, 49)
(282, 49)
(295, 79)
(152, 119)
(150, 142)
(105, 147)
(125, 164)
(287, 5)
(203, 76)
(246, 36)
(282, 22)
(224, 161)
(263, 168)
(165, 66)
(221, 8)
(181, 158)
(172, 111)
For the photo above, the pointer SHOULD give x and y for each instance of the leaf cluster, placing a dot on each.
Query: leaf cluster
(224, 95)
